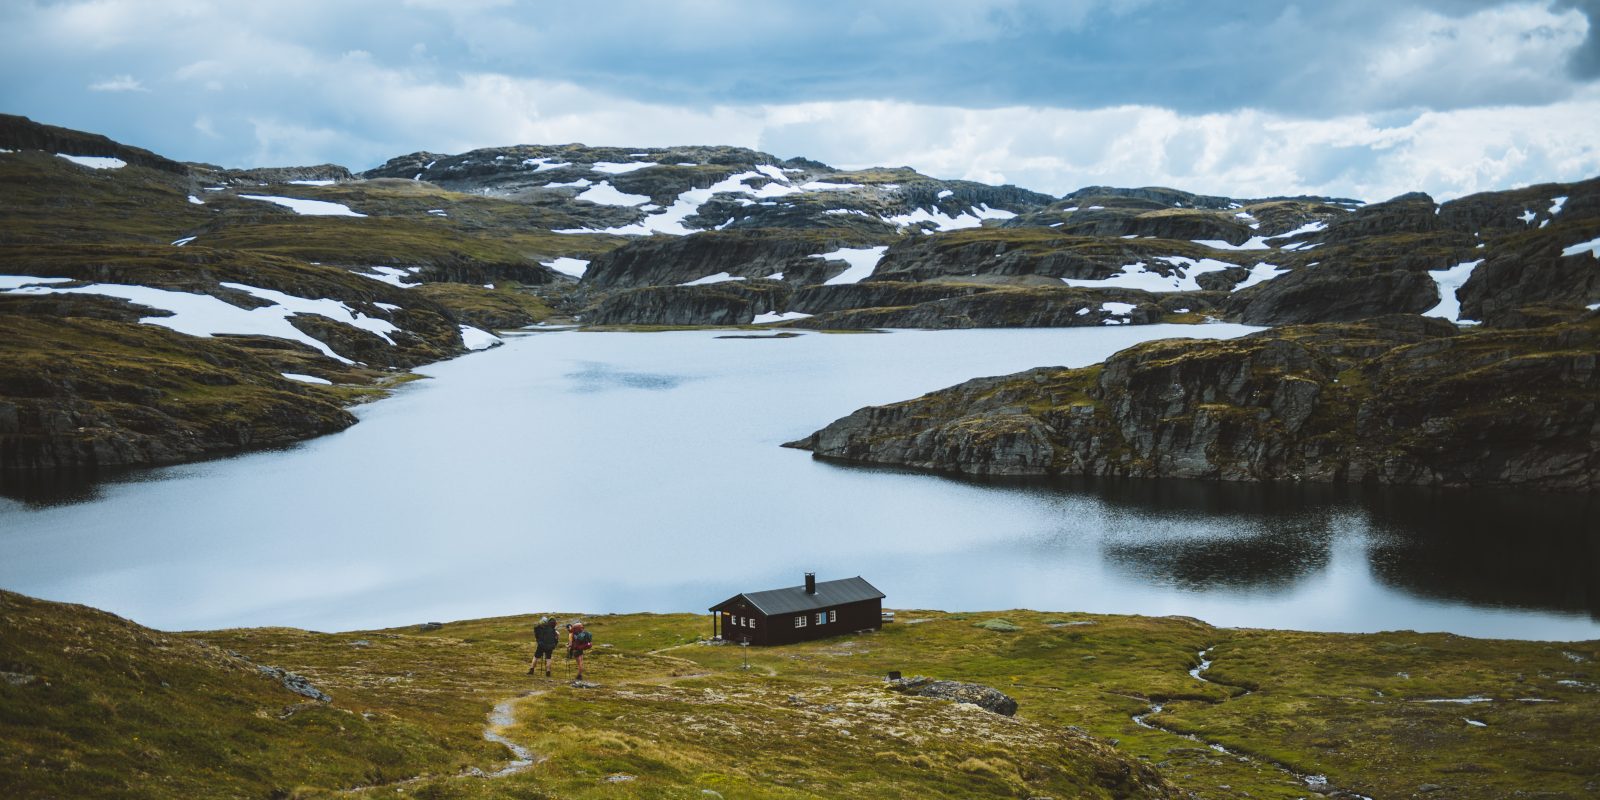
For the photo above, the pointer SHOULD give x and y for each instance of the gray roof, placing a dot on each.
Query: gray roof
(794, 598)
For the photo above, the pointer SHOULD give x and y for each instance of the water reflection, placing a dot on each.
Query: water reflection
(1491, 548)
(601, 377)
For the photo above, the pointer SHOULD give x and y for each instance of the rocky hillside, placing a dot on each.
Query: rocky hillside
(1400, 399)
(1099, 707)
(340, 282)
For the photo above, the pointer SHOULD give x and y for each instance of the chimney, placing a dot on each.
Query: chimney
(811, 583)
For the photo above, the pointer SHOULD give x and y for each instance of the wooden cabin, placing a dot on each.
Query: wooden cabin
(799, 613)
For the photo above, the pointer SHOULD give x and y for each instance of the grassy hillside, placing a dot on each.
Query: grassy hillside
(94, 706)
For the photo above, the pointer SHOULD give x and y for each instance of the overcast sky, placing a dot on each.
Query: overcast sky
(1360, 98)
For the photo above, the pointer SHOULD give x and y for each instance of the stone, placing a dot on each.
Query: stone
(984, 697)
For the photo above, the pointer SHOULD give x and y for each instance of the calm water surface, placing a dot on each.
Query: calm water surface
(641, 472)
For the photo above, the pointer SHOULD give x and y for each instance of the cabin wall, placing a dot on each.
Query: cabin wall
(863, 615)
(758, 635)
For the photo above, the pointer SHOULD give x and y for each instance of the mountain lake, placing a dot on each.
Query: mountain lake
(618, 472)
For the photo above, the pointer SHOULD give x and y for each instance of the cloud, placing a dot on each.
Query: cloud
(119, 83)
(1367, 98)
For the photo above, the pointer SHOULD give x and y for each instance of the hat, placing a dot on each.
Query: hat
(544, 620)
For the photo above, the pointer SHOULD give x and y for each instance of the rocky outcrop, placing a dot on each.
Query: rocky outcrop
(724, 303)
(82, 394)
(1404, 400)
(673, 260)
(21, 133)
(1008, 308)
(984, 697)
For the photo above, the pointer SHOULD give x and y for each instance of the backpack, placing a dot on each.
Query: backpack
(582, 640)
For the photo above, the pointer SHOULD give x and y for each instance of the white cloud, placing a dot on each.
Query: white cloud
(119, 83)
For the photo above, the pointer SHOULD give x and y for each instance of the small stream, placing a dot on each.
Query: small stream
(1316, 783)
(504, 716)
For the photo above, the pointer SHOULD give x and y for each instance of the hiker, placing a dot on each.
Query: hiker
(578, 640)
(545, 639)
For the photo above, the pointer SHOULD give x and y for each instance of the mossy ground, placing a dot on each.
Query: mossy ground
(678, 717)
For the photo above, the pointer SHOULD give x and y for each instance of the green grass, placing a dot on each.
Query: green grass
(804, 721)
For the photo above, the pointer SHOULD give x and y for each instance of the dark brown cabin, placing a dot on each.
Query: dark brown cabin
(799, 613)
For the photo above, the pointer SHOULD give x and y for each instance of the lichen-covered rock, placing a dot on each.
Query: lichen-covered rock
(1405, 399)
(724, 303)
(984, 697)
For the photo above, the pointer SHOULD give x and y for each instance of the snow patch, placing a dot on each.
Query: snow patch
(943, 193)
(19, 281)
(721, 277)
(295, 376)
(579, 183)
(862, 261)
(762, 319)
(95, 162)
(1255, 243)
(603, 193)
(1556, 203)
(1449, 280)
(478, 339)
(619, 167)
(971, 218)
(824, 186)
(1528, 216)
(197, 201)
(544, 164)
(313, 183)
(1260, 273)
(394, 276)
(185, 240)
(387, 306)
(205, 316)
(568, 266)
(1117, 309)
(1592, 247)
(309, 208)
(1136, 276)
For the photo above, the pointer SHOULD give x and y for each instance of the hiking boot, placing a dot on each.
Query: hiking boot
(547, 673)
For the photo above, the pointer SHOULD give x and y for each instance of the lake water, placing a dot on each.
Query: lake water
(612, 472)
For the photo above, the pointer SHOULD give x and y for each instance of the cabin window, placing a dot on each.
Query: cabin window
(833, 615)
(752, 621)
(800, 621)
(822, 617)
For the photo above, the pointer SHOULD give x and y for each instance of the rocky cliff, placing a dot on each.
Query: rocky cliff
(1404, 399)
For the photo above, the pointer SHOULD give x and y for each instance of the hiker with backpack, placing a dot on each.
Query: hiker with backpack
(578, 641)
(545, 639)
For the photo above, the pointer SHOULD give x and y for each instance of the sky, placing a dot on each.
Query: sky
(1246, 98)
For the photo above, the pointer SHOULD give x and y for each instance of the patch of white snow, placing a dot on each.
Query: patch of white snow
(568, 266)
(478, 339)
(762, 319)
(603, 193)
(295, 376)
(313, 183)
(95, 162)
(862, 261)
(1449, 280)
(1556, 203)
(309, 208)
(1592, 247)
(1260, 273)
(721, 277)
(619, 167)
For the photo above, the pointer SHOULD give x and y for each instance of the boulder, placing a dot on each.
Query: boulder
(984, 697)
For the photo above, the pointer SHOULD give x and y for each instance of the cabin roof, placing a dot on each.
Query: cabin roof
(794, 598)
